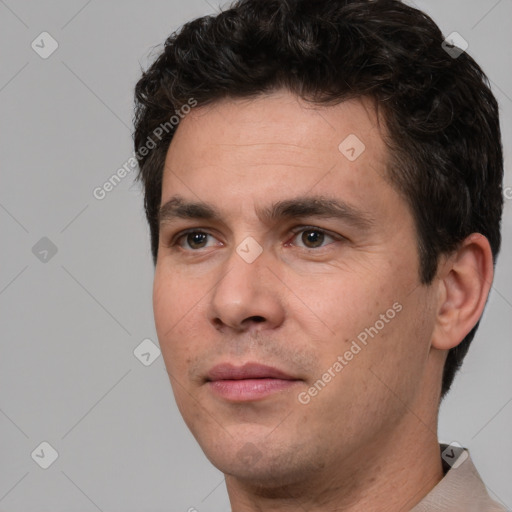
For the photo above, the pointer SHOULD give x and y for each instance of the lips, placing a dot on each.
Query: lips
(249, 382)
(228, 371)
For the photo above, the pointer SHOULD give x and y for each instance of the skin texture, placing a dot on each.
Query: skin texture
(368, 439)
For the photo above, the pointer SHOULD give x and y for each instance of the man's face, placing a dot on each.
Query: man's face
(297, 291)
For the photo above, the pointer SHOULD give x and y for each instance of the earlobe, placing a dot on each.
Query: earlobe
(465, 281)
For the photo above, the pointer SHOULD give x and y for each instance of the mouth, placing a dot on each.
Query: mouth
(249, 382)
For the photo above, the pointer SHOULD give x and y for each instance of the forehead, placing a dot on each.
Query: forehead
(277, 145)
(284, 123)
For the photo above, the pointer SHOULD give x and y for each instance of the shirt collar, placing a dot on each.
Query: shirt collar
(461, 489)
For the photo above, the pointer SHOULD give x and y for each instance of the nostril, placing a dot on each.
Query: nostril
(218, 323)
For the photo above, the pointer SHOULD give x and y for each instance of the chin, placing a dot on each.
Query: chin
(262, 464)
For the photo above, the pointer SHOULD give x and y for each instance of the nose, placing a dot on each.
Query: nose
(248, 295)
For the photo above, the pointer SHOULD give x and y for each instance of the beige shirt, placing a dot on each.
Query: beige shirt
(461, 489)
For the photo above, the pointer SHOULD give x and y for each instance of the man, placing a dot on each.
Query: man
(323, 189)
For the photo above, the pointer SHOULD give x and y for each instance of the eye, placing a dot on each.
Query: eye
(192, 239)
(313, 237)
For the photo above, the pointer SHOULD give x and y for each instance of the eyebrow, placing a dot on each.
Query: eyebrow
(304, 206)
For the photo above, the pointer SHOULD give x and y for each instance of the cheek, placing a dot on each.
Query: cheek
(378, 378)
(173, 300)
(371, 317)
(337, 305)
(173, 304)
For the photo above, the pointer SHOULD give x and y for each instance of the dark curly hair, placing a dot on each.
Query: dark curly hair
(442, 118)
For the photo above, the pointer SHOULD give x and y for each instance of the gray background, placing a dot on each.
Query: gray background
(70, 324)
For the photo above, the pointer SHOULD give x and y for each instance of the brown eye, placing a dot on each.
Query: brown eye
(193, 240)
(196, 240)
(312, 238)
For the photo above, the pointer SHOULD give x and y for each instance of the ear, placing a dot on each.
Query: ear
(465, 279)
